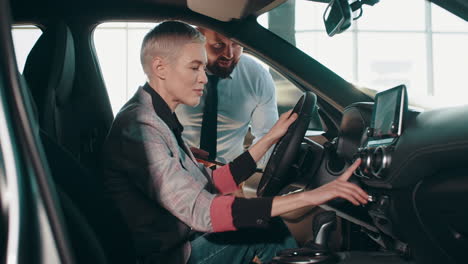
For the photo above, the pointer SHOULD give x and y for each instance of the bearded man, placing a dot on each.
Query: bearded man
(240, 94)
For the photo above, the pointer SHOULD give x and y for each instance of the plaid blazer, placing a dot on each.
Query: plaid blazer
(143, 168)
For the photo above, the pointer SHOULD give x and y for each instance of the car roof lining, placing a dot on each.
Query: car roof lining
(217, 9)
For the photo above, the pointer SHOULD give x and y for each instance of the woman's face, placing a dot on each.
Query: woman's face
(186, 77)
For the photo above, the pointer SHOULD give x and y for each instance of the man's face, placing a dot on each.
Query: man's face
(223, 54)
(186, 75)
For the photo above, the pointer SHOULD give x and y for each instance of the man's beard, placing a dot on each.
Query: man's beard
(222, 72)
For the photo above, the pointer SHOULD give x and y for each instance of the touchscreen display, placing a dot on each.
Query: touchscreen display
(388, 112)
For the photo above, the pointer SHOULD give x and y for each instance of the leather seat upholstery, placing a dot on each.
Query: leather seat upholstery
(50, 71)
(59, 90)
(96, 229)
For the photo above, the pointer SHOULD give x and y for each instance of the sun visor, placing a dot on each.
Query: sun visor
(227, 10)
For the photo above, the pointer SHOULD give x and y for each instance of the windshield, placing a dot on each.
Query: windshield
(395, 42)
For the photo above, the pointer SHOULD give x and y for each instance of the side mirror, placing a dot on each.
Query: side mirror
(337, 17)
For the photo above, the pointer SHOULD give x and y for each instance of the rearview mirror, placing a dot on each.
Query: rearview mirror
(337, 17)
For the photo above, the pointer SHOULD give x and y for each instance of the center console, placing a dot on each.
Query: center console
(385, 128)
(314, 251)
(375, 149)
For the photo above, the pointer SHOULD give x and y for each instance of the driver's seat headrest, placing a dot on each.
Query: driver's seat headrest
(50, 71)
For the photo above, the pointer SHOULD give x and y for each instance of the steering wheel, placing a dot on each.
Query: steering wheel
(285, 152)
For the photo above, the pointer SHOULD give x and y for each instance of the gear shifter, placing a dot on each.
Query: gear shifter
(323, 224)
(316, 250)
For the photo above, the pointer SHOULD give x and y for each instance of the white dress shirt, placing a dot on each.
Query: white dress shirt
(245, 99)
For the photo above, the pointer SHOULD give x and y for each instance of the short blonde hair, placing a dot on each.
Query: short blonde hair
(165, 40)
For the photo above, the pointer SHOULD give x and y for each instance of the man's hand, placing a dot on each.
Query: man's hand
(199, 153)
(202, 157)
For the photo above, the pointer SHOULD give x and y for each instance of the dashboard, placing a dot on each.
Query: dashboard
(389, 110)
(430, 141)
(415, 166)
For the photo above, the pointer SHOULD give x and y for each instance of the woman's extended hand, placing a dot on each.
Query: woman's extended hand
(339, 188)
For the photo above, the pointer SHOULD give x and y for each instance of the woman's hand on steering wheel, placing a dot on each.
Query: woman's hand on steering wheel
(281, 126)
(276, 132)
(276, 176)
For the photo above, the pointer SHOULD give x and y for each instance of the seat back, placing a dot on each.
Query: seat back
(59, 89)
(80, 188)
(50, 71)
(96, 229)
(98, 233)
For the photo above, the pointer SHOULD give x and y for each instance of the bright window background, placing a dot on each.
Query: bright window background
(118, 50)
(425, 48)
(421, 45)
(24, 38)
(123, 73)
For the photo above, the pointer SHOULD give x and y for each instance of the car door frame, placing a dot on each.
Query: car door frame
(35, 230)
